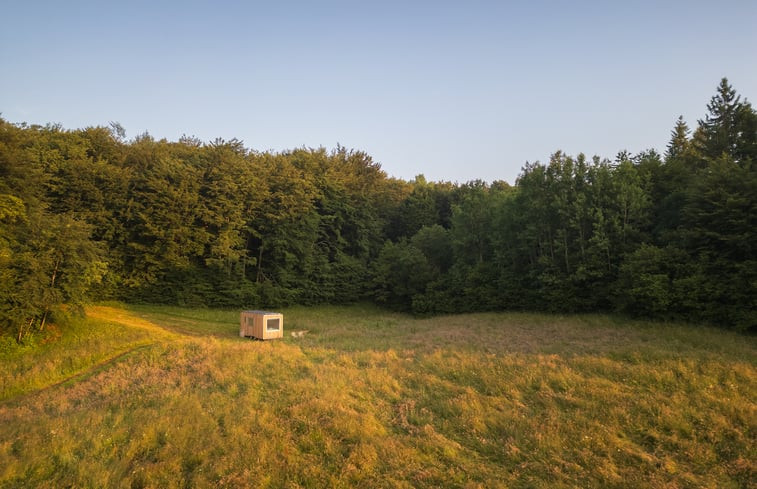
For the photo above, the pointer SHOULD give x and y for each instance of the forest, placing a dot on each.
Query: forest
(87, 215)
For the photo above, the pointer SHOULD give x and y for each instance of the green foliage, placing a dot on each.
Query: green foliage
(60, 265)
(435, 243)
(730, 127)
(427, 204)
(650, 281)
(88, 213)
(720, 217)
(679, 143)
(400, 272)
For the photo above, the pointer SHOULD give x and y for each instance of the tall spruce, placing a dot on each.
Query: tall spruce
(679, 139)
(729, 128)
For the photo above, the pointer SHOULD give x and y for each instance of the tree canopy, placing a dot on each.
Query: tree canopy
(87, 214)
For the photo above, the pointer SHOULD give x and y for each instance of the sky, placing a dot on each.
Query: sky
(456, 91)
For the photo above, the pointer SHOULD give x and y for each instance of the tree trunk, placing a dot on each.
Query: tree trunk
(55, 273)
(565, 245)
(44, 320)
(260, 263)
(21, 330)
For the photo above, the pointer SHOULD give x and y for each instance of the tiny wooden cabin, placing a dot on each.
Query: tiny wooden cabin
(262, 325)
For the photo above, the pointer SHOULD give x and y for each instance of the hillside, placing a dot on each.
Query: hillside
(172, 397)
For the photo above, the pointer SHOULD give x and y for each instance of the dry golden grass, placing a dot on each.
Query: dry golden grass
(376, 399)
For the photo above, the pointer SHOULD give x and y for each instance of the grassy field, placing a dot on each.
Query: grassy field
(139, 397)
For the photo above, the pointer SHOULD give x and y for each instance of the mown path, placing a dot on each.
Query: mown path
(155, 334)
(79, 376)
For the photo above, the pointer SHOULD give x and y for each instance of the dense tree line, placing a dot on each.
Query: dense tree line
(87, 214)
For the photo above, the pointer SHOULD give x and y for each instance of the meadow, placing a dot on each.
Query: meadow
(168, 397)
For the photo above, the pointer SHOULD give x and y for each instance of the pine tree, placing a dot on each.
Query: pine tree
(729, 128)
(679, 139)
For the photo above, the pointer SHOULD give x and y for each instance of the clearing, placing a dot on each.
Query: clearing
(148, 396)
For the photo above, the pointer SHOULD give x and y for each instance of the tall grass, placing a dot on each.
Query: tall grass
(375, 399)
(67, 348)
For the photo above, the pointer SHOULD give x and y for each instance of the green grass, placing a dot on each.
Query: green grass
(64, 351)
(370, 398)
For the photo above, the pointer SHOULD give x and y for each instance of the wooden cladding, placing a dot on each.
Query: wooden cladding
(262, 325)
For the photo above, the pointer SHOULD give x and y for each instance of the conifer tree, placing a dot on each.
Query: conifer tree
(729, 128)
(679, 139)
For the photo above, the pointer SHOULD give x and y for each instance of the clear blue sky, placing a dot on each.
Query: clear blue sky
(454, 90)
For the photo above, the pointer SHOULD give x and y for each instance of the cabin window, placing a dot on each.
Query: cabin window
(273, 324)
